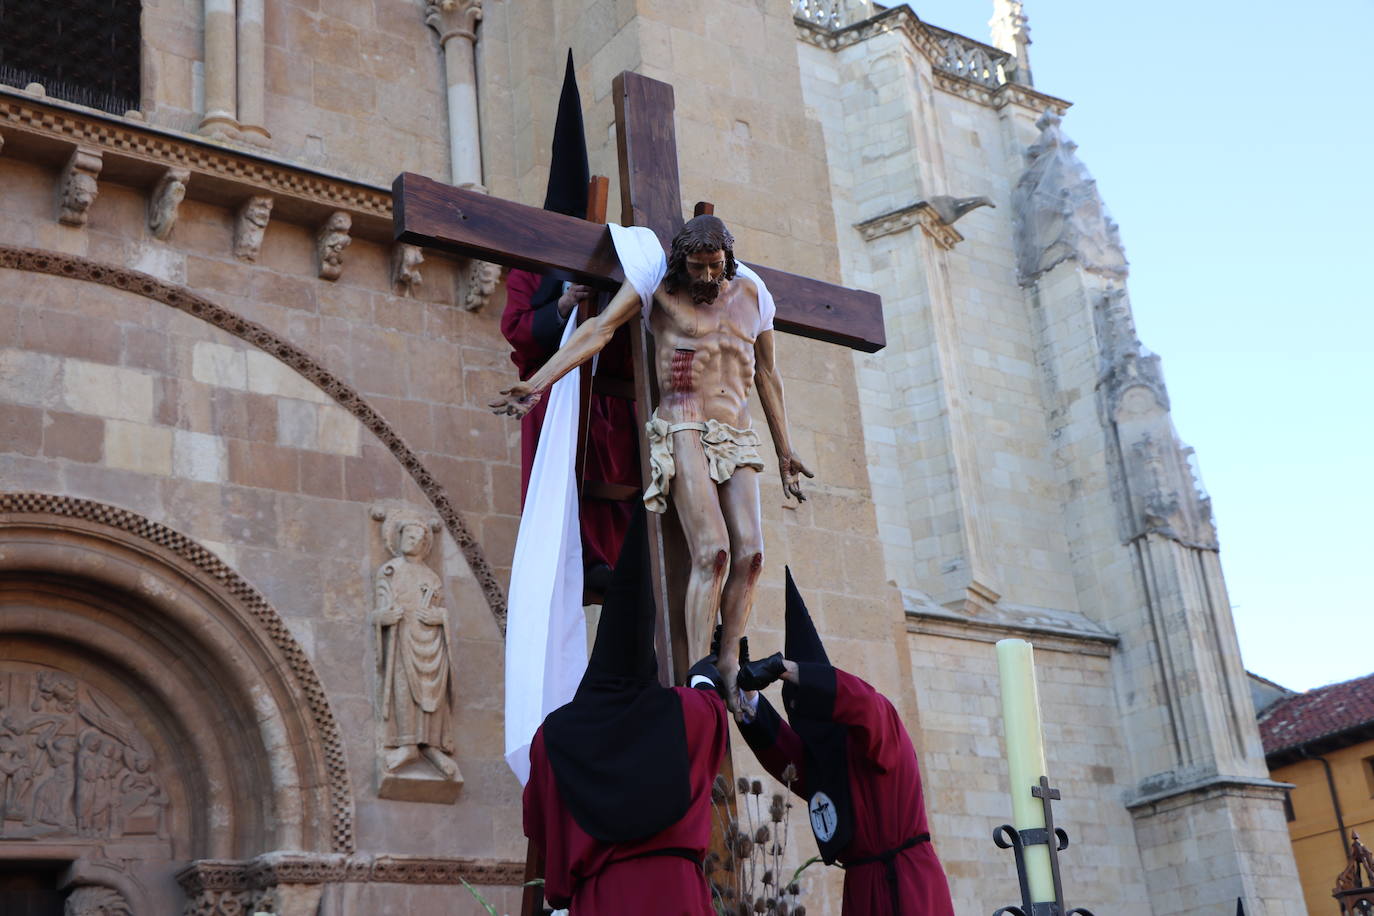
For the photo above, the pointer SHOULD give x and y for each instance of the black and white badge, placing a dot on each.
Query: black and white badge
(823, 816)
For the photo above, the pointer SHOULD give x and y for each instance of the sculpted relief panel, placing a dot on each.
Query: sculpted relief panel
(72, 764)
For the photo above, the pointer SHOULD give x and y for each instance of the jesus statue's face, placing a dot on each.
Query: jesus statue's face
(706, 271)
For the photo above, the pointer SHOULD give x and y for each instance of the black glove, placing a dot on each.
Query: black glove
(705, 675)
(715, 641)
(743, 651)
(758, 675)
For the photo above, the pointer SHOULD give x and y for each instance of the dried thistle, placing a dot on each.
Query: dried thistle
(794, 889)
(744, 847)
(777, 810)
(760, 906)
(742, 786)
(756, 787)
(761, 835)
(720, 789)
(768, 878)
(789, 775)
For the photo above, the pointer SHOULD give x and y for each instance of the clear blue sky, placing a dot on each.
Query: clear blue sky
(1234, 143)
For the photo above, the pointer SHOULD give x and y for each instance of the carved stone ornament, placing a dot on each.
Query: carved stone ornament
(78, 188)
(167, 197)
(1124, 361)
(1058, 213)
(96, 901)
(250, 223)
(72, 764)
(1169, 497)
(936, 218)
(405, 268)
(414, 647)
(330, 243)
(479, 282)
(453, 18)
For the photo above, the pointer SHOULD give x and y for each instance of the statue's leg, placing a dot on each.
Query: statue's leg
(708, 539)
(739, 501)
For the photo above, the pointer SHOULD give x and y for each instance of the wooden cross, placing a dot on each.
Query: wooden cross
(439, 216)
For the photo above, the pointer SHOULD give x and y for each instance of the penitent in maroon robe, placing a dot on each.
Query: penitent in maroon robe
(593, 878)
(885, 795)
(612, 432)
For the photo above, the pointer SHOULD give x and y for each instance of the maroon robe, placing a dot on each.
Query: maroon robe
(627, 879)
(885, 795)
(612, 454)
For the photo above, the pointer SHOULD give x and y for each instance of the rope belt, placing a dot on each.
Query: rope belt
(889, 860)
(691, 855)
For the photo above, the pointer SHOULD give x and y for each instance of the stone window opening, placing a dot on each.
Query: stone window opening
(82, 51)
(1368, 767)
(31, 888)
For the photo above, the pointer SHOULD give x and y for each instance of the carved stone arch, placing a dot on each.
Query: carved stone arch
(140, 634)
(178, 297)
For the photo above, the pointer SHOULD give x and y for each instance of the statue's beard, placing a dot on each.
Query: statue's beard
(704, 291)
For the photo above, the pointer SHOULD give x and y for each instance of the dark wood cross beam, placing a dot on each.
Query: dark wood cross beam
(439, 216)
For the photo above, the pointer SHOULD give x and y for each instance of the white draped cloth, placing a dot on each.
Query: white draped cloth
(546, 631)
(546, 636)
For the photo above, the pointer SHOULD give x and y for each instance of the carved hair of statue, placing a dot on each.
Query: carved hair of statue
(701, 233)
(96, 901)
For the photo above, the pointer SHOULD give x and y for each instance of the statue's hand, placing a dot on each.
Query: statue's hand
(516, 401)
(387, 617)
(792, 470)
(432, 616)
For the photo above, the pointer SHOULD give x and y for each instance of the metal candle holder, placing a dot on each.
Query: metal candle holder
(1008, 837)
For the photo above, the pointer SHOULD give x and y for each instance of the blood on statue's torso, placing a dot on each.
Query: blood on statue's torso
(704, 353)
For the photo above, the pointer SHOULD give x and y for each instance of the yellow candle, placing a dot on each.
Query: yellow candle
(1025, 756)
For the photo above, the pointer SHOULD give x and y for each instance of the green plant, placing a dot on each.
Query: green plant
(486, 904)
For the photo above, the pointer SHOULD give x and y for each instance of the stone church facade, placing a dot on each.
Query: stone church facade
(244, 449)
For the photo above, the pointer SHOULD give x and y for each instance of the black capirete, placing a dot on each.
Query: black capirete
(619, 749)
(810, 712)
(569, 172)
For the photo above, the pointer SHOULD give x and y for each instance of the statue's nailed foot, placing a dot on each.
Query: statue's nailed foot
(442, 762)
(398, 757)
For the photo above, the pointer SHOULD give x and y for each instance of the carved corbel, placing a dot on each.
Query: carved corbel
(249, 225)
(96, 901)
(77, 189)
(479, 282)
(330, 242)
(167, 197)
(405, 268)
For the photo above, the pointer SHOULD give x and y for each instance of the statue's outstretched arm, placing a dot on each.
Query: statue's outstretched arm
(586, 342)
(769, 383)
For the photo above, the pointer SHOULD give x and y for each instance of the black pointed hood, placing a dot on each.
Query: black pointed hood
(569, 171)
(624, 646)
(619, 749)
(569, 174)
(810, 706)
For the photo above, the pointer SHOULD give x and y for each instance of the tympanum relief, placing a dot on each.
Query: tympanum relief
(414, 664)
(72, 764)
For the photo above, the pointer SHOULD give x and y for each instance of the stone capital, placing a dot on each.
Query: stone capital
(453, 18)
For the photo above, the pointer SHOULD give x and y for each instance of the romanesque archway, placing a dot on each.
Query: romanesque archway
(154, 710)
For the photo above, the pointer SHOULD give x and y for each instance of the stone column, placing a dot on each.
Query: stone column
(221, 118)
(456, 22)
(252, 57)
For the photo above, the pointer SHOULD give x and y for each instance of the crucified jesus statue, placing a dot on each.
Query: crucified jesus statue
(712, 322)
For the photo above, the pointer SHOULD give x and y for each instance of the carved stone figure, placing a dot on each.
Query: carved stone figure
(1059, 214)
(330, 243)
(167, 197)
(405, 268)
(410, 625)
(72, 764)
(479, 281)
(96, 901)
(952, 209)
(249, 225)
(77, 189)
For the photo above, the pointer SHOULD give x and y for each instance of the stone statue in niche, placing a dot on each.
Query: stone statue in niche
(167, 197)
(405, 268)
(96, 901)
(78, 188)
(249, 226)
(72, 764)
(414, 660)
(330, 243)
